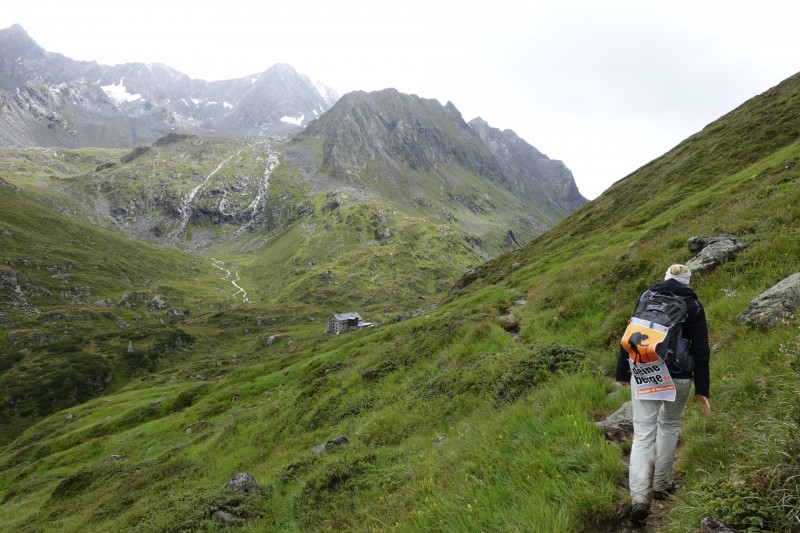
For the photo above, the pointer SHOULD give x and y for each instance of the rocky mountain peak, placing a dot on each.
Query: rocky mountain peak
(388, 128)
(396, 128)
(148, 100)
(17, 50)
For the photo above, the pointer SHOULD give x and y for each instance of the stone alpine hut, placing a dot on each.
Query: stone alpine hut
(341, 322)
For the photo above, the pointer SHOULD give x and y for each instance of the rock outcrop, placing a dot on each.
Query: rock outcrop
(775, 304)
(712, 525)
(713, 251)
(330, 444)
(619, 425)
(8, 279)
(243, 483)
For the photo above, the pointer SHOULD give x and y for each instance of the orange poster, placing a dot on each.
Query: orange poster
(640, 340)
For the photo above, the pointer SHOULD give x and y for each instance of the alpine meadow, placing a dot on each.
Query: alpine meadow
(165, 364)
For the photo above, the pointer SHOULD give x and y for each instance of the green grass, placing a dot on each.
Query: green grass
(455, 424)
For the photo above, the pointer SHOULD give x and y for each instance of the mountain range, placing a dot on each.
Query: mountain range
(50, 100)
(489, 183)
(379, 204)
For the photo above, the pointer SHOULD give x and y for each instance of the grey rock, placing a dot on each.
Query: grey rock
(619, 425)
(509, 322)
(775, 304)
(438, 440)
(713, 252)
(696, 244)
(69, 417)
(330, 444)
(114, 459)
(242, 482)
(157, 303)
(125, 301)
(5, 232)
(225, 519)
(8, 279)
(712, 525)
(383, 234)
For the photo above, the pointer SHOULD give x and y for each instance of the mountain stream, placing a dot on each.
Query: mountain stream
(188, 202)
(254, 207)
(239, 290)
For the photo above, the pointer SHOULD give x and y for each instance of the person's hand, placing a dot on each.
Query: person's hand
(624, 384)
(705, 405)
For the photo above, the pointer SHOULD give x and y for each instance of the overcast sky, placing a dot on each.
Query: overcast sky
(603, 86)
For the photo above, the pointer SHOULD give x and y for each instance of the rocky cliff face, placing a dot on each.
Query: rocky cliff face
(388, 130)
(527, 169)
(47, 99)
(394, 128)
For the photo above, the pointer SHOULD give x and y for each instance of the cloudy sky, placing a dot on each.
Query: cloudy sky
(603, 86)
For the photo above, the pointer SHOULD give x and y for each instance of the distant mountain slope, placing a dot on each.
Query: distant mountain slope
(47, 99)
(385, 133)
(528, 169)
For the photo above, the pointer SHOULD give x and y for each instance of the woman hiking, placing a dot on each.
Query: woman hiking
(657, 421)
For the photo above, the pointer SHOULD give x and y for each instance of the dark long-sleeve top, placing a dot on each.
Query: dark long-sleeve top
(695, 330)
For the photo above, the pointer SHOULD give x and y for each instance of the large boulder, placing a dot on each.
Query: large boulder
(713, 251)
(8, 278)
(330, 444)
(619, 425)
(243, 483)
(775, 304)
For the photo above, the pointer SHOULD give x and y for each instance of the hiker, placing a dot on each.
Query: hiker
(656, 423)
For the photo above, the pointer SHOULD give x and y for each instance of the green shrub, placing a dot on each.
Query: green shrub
(538, 367)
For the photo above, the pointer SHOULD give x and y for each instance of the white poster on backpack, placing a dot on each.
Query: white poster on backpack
(652, 381)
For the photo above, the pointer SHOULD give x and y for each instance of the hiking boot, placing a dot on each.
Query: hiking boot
(663, 494)
(639, 514)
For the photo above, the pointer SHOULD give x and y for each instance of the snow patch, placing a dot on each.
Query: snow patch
(119, 93)
(293, 120)
(226, 105)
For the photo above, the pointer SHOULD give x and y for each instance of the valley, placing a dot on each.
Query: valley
(164, 303)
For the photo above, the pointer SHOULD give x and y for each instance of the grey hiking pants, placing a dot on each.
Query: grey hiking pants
(656, 425)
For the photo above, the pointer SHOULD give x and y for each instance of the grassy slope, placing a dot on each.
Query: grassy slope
(454, 424)
(76, 276)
